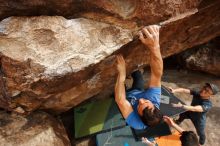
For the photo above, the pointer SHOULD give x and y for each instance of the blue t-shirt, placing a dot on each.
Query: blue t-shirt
(153, 94)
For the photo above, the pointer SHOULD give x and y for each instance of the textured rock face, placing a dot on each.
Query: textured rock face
(55, 63)
(47, 55)
(203, 58)
(140, 12)
(37, 129)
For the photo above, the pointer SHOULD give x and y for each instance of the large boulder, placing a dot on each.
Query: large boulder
(54, 63)
(44, 56)
(37, 129)
(123, 12)
(202, 58)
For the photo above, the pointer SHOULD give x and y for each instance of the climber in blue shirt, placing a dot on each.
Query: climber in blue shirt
(139, 106)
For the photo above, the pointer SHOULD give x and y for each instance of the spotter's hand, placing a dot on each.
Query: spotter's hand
(179, 105)
(149, 143)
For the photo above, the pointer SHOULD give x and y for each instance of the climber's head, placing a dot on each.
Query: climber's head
(149, 114)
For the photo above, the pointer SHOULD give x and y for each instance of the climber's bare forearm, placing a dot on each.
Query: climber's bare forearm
(156, 65)
(149, 36)
(120, 95)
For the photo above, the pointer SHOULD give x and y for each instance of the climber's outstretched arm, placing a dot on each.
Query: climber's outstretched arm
(120, 95)
(149, 36)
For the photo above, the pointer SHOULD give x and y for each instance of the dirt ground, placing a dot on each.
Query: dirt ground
(182, 78)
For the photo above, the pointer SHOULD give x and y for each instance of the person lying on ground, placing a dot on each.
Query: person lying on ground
(139, 106)
(187, 138)
(200, 105)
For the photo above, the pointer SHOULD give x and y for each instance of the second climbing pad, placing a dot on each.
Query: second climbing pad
(97, 116)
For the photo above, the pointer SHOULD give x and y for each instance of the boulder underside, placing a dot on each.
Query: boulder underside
(55, 63)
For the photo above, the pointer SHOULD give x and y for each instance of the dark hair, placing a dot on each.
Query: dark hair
(189, 138)
(151, 118)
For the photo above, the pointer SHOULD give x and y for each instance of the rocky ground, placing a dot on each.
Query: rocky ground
(188, 79)
(36, 129)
